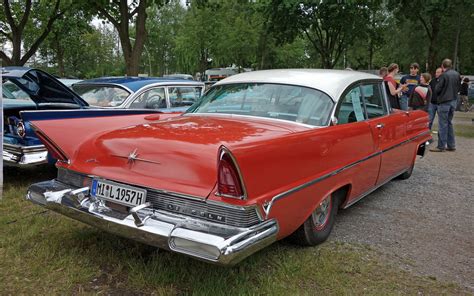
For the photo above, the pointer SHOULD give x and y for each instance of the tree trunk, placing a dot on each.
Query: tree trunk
(432, 48)
(60, 56)
(456, 45)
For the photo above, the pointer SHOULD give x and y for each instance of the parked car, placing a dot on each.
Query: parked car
(264, 155)
(31, 89)
(69, 81)
(164, 94)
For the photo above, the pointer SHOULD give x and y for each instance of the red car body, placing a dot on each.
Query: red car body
(289, 177)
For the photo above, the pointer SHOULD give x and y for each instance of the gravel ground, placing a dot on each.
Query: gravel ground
(425, 223)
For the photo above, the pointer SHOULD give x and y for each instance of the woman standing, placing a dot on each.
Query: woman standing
(421, 95)
(393, 89)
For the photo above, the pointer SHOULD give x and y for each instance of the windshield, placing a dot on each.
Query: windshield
(286, 102)
(101, 95)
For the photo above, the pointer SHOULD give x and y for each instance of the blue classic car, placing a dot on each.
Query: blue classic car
(165, 94)
(26, 89)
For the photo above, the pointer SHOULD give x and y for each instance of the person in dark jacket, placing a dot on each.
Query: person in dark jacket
(433, 105)
(447, 90)
(463, 92)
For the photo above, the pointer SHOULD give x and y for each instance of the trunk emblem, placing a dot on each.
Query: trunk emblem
(133, 156)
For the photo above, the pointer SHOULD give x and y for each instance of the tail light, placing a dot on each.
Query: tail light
(229, 182)
(55, 151)
(20, 129)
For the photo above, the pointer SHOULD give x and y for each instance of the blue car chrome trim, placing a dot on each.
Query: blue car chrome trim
(268, 205)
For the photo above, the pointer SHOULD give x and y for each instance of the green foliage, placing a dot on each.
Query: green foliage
(266, 34)
(163, 25)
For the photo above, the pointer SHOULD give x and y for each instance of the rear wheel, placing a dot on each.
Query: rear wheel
(407, 174)
(318, 226)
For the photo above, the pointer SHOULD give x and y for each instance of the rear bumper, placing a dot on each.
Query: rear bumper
(18, 155)
(197, 238)
(423, 148)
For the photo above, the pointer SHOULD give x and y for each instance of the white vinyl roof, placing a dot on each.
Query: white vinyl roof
(332, 82)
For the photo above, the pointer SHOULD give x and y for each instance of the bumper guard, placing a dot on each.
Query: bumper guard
(204, 240)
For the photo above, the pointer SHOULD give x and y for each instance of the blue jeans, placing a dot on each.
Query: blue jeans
(432, 109)
(404, 102)
(446, 131)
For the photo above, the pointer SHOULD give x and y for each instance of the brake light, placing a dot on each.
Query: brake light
(56, 153)
(229, 183)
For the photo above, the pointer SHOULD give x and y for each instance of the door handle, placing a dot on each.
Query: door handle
(407, 113)
(380, 126)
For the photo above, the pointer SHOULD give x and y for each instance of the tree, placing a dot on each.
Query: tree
(331, 27)
(18, 16)
(121, 14)
(430, 15)
(65, 38)
(163, 24)
(195, 39)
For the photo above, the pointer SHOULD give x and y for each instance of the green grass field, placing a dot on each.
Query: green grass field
(42, 252)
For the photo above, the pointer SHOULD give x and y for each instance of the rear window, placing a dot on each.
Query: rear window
(101, 95)
(285, 102)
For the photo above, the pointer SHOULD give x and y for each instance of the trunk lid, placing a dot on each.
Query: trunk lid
(178, 155)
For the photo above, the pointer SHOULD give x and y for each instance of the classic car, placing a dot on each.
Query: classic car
(264, 155)
(165, 94)
(32, 89)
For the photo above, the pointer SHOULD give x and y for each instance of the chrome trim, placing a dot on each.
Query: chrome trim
(203, 240)
(355, 200)
(423, 148)
(129, 100)
(134, 211)
(222, 151)
(268, 205)
(250, 116)
(197, 199)
(18, 155)
(132, 156)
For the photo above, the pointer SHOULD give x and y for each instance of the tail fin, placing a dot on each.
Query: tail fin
(62, 137)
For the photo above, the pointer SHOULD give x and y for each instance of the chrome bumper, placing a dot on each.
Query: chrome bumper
(200, 239)
(424, 148)
(24, 155)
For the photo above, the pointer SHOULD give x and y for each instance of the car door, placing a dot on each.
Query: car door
(152, 98)
(355, 135)
(389, 131)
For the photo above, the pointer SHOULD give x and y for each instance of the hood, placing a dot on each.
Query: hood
(178, 155)
(42, 88)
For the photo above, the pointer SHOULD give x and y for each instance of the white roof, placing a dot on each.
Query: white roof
(332, 82)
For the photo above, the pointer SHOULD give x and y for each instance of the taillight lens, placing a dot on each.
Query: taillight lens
(228, 180)
(55, 152)
(20, 129)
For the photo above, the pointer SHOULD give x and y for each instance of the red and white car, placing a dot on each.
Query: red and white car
(264, 155)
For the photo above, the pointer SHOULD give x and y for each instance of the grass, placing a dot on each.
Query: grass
(463, 124)
(45, 253)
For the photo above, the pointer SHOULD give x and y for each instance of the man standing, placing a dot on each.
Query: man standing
(446, 93)
(433, 106)
(412, 80)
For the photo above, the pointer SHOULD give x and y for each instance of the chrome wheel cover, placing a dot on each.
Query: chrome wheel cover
(321, 215)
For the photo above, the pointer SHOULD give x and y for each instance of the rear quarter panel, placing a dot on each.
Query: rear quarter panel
(273, 167)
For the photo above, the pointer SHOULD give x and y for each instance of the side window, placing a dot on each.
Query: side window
(151, 99)
(184, 95)
(374, 100)
(351, 108)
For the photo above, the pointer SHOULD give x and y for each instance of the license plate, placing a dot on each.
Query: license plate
(118, 193)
